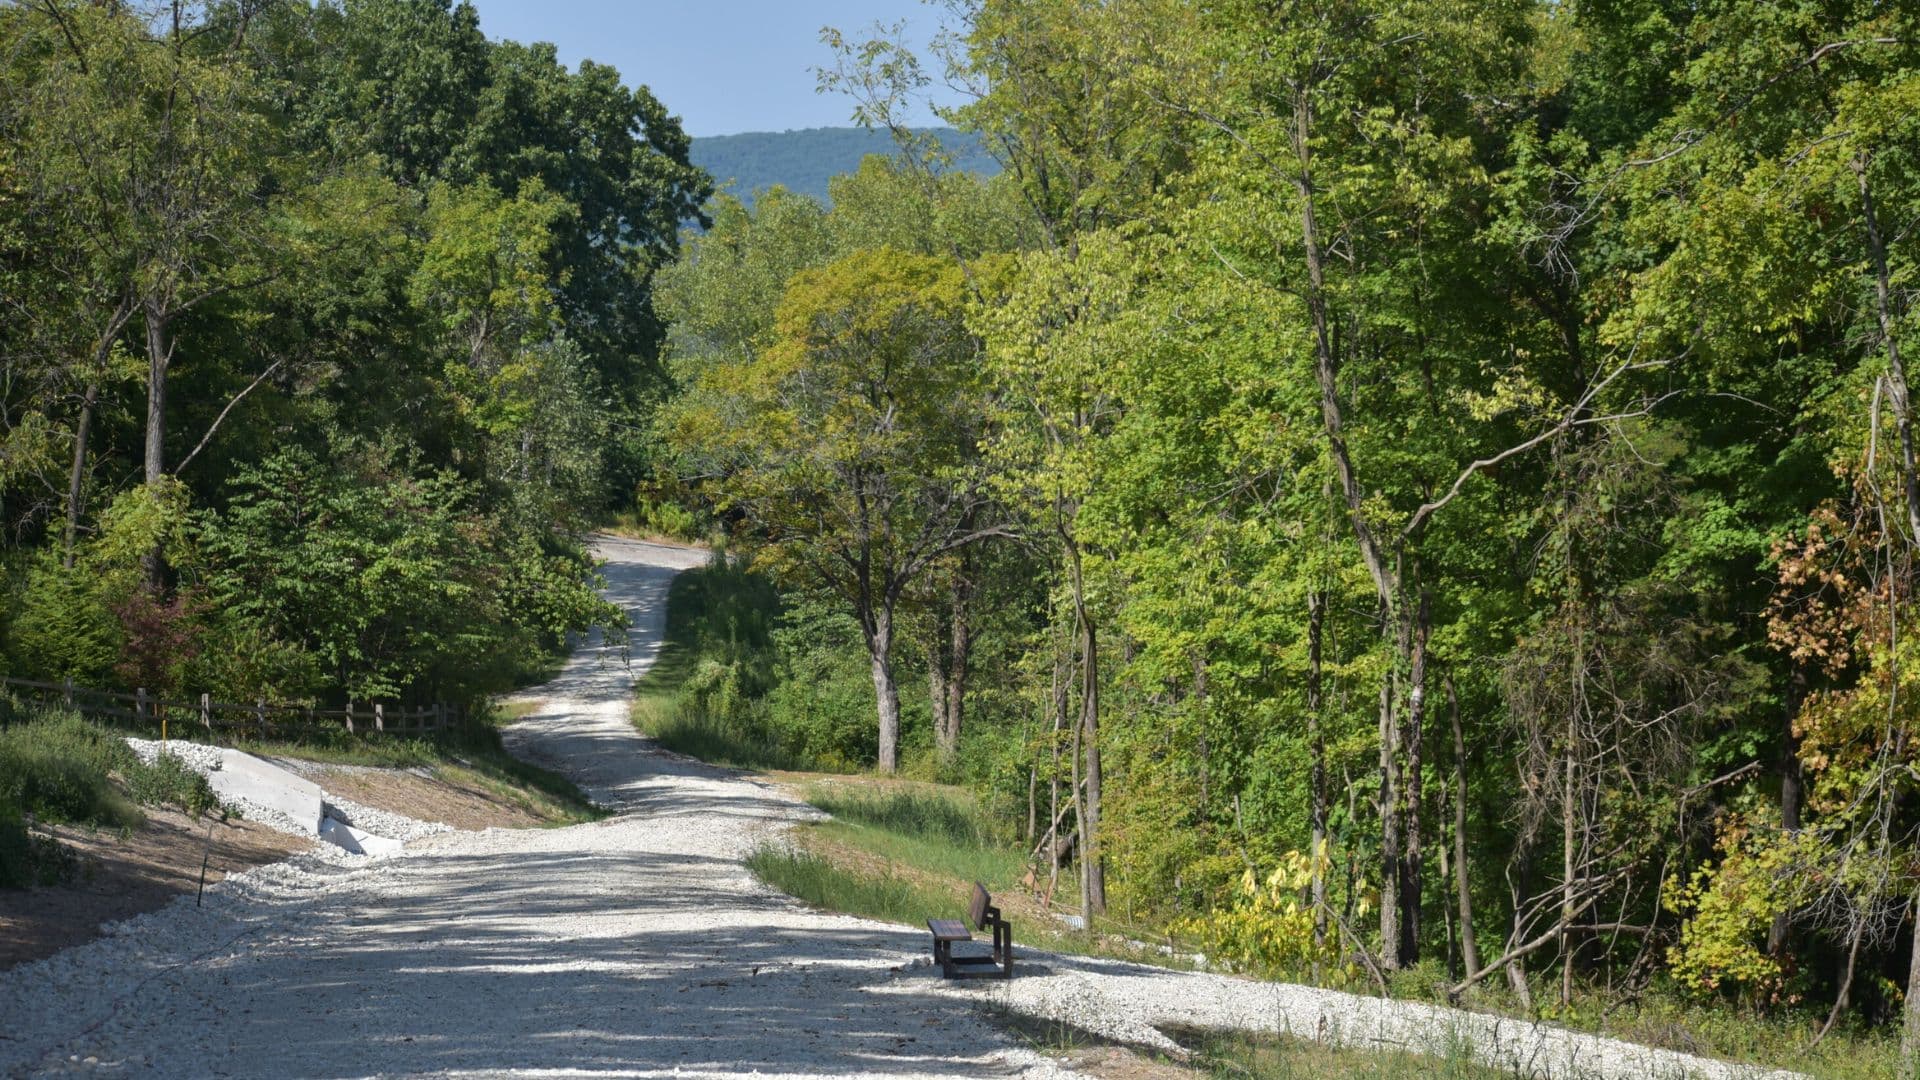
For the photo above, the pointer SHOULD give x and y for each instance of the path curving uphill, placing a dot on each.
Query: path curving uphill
(634, 946)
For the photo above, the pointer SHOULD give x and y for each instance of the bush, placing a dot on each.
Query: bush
(57, 769)
(61, 769)
(171, 782)
(662, 517)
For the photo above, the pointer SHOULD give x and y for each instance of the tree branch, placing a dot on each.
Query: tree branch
(218, 420)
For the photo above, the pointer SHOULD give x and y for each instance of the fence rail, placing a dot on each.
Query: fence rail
(259, 718)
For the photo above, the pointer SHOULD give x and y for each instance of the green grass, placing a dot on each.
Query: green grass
(938, 832)
(918, 849)
(1718, 1029)
(825, 884)
(1664, 1016)
(658, 520)
(1250, 1057)
(57, 769)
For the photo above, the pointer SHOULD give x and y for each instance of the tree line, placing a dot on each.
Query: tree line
(1379, 487)
(328, 329)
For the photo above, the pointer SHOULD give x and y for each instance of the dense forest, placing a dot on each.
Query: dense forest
(328, 327)
(1382, 491)
(1417, 496)
(805, 161)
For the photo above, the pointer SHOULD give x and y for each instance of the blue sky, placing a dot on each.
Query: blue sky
(723, 66)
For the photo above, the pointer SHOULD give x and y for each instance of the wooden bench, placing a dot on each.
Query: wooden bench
(984, 916)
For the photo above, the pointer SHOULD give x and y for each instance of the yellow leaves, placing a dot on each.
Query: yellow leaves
(1729, 906)
(1269, 924)
(1511, 392)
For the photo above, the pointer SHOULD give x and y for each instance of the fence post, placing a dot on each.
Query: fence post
(206, 712)
(349, 716)
(260, 716)
(139, 704)
(69, 691)
(439, 715)
(379, 717)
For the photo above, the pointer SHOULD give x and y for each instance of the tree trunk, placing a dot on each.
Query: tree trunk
(1093, 871)
(1791, 787)
(1326, 374)
(1033, 801)
(1567, 908)
(947, 659)
(1317, 780)
(959, 655)
(1469, 948)
(1520, 865)
(1910, 1032)
(1388, 807)
(1896, 371)
(1910, 481)
(1412, 784)
(159, 356)
(76, 479)
(937, 699)
(886, 693)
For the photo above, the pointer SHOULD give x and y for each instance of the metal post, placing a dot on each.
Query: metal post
(379, 717)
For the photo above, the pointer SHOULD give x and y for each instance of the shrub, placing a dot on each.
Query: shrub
(60, 769)
(171, 782)
(57, 769)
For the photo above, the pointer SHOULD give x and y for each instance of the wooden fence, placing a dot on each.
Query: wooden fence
(258, 719)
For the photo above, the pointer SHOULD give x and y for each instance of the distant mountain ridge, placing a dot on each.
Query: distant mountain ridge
(804, 160)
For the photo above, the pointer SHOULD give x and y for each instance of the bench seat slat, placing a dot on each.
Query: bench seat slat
(949, 930)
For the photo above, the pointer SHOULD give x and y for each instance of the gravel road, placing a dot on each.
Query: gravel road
(634, 946)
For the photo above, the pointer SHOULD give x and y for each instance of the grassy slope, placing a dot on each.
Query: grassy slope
(471, 758)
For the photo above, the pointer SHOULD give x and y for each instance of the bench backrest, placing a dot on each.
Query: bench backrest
(977, 907)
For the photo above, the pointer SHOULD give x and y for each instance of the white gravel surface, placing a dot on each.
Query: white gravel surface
(380, 822)
(635, 946)
(202, 759)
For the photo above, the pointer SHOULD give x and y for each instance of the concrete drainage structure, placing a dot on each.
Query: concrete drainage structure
(246, 779)
(342, 835)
